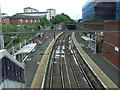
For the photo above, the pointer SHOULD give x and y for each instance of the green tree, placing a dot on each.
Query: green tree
(79, 20)
(44, 22)
(60, 18)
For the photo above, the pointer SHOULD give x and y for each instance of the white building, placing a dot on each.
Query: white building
(51, 13)
(28, 11)
(35, 14)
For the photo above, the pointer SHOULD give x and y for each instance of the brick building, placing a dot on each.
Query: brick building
(111, 49)
(21, 19)
(30, 15)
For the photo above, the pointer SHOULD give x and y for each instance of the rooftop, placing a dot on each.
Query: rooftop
(31, 8)
(20, 16)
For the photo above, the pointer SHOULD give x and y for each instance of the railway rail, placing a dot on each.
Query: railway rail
(67, 69)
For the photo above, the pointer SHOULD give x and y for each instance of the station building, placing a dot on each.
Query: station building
(110, 13)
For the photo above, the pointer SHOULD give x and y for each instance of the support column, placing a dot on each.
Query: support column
(1, 41)
(95, 48)
(13, 50)
(25, 42)
(20, 45)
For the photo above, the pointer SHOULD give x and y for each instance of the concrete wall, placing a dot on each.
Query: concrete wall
(7, 83)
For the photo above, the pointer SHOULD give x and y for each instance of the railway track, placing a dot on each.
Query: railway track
(67, 69)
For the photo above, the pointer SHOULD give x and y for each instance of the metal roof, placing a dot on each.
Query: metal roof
(50, 9)
(28, 8)
(19, 16)
(31, 8)
(32, 12)
(26, 49)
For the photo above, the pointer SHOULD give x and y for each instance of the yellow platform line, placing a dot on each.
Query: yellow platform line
(105, 80)
(39, 78)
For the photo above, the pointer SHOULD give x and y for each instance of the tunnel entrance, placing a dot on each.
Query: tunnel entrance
(70, 27)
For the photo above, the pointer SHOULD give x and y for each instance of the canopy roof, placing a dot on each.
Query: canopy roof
(26, 49)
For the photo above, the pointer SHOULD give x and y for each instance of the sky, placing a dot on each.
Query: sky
(73, 8)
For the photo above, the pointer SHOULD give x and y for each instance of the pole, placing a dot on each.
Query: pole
(95, 43)
(1, 35)
(54, 35)
(2, 41)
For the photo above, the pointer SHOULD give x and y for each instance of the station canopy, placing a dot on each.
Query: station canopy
(26, 49)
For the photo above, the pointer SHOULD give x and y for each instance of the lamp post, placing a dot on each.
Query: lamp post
(1, 40)
(95, 42)
(41, 34)
(13, 37)
(1, 35)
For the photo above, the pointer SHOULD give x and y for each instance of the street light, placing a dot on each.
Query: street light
(13, 37)
(41, 35)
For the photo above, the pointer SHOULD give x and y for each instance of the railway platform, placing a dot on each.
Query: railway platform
(104, 71)
(39, 78)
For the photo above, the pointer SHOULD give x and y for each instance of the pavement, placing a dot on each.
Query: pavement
(108, 68)
(32, 62)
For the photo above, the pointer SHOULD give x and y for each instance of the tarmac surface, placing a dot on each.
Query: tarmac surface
(32, 62)
(110, 70)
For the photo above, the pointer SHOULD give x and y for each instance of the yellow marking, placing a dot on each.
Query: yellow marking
(39, 78)
(85, 56)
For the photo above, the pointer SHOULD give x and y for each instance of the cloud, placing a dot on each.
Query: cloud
(70, 7)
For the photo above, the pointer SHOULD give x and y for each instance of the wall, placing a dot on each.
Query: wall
(51, 13)
(7, 83)
(112, 40)
(14, 21)
(18, 21)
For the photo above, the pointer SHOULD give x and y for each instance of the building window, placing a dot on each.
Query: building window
(21, 20)
(26, 20)
(35, 20)
(31, 21)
